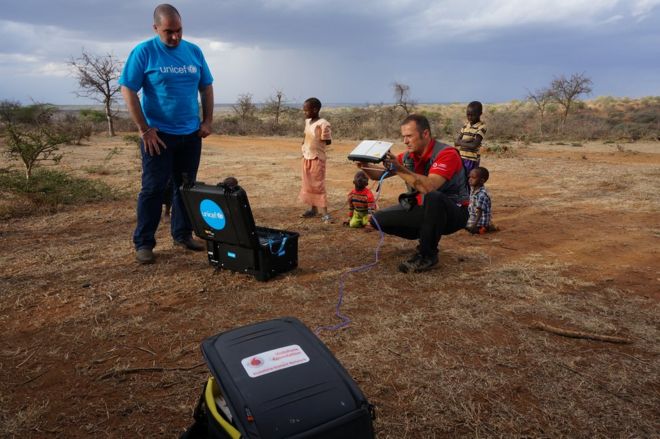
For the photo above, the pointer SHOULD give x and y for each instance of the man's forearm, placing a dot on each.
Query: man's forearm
(421, 183)
(134, 108)
(206, 95)
(409, 177)
(373, 173)
(472, 145)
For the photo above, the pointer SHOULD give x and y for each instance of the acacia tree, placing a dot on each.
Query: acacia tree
(541, 98)
(275, 106)
(30, 134)
(9, 110)
(565, 91)
(97, 79)
(402, 97)
(244, 108)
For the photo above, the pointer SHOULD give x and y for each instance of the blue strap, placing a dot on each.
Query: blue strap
(279, 252)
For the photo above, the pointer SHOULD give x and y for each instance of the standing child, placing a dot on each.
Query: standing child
(471, 135)
(361, 201)
(317, 137)
(479, 209)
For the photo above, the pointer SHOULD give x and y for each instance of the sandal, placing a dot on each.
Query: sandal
(327, 219)
(311, 213)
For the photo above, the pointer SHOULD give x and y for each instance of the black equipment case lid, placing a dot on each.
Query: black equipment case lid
(221, 213)
(281, 381)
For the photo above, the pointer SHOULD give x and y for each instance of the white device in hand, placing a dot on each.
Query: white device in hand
(371, 151)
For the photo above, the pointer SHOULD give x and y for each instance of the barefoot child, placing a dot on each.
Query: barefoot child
(479, 209)
(361, 201)
(472, 134)
(317, 137)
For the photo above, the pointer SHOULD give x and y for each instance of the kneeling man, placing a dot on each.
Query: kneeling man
(437, 198)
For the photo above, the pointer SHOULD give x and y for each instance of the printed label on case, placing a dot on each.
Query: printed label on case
(272, 361)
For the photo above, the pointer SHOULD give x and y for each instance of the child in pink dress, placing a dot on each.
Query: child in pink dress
(317, 137)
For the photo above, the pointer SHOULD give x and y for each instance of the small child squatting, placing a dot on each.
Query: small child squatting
(480, 219)
(361, 202)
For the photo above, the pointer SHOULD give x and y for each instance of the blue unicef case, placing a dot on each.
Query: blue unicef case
(222, 216)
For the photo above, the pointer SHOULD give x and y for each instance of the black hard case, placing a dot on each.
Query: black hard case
(317, 399)
(240, 245)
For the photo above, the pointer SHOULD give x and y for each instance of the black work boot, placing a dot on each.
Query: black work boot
(418, 263)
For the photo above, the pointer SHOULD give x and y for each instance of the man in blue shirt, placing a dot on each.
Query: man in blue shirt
(170, 72)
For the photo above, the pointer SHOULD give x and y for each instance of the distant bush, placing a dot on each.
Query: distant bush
(93, 116)
(366, 122)
(79, 128)
(124, 124)
(601, 119)
(511, 123)
(604, 118)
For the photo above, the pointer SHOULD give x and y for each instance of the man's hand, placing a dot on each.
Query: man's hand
(391, 163)
(152, 143)
(204, 130)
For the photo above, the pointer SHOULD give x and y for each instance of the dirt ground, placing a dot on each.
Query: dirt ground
(95, 345)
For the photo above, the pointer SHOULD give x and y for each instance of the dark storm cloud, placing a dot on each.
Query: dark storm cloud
(240, 22)
(445, 50)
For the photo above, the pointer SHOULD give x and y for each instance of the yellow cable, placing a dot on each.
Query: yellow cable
(209, 396)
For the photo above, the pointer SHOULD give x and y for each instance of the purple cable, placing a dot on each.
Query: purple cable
(345, 320)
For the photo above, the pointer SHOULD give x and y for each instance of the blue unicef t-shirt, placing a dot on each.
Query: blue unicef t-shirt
(170, 79)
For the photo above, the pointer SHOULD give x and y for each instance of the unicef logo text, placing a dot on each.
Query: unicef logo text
(179, 69)
(212, 214)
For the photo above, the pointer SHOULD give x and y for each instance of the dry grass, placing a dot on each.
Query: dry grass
(450, 353)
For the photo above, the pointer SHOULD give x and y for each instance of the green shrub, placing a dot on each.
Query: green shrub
(93, 116)
(48, 189)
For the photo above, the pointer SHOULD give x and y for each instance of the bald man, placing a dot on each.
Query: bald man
(171, 73)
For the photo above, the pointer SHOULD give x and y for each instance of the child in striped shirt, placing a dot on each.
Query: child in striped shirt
(361, 201)
(472, 134)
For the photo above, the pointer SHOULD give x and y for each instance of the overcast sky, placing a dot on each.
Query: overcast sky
(350, 51)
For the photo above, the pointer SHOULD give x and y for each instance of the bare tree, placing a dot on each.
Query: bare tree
(565, 91)
(541, 98)
(402, 97)
(9, 111)
(244, 108)
(97, 79)
(275, 106)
